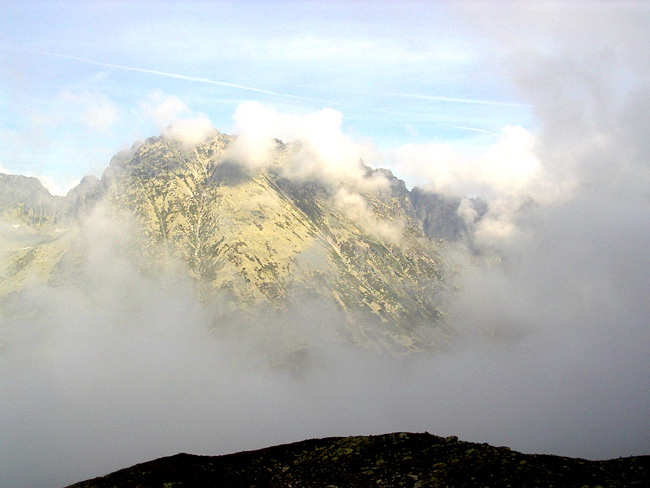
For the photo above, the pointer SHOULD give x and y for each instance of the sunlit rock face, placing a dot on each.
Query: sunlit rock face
(257, 241)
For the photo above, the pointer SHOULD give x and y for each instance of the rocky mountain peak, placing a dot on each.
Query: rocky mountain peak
(268, 236)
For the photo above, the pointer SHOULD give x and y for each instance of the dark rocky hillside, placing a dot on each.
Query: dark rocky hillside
(391, 460)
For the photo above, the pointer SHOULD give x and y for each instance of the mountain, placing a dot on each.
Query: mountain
(256, 239)
(395, 460)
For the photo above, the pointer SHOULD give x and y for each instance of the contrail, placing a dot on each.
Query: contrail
(443, 124)
(473, 129)
(188, 78)
(209, 81)
(270, 92)
(459, 100)
(137, 115)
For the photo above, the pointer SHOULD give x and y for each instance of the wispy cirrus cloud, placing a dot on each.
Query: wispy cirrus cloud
(195, 79)
(438, 98)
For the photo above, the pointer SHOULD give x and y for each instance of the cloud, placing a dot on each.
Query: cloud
(255, 127)
(507, 166)
(63, 139)
(163, 109)
(190, 131)
(176, 120)
(467, 212)
(584, 69)
(131, 366)
(355, 207)
(507, 174)
(317, 150)
(573, 268)
(128, 366)
(179, 76)
(54, 186)
(99, 112)
(322, 151)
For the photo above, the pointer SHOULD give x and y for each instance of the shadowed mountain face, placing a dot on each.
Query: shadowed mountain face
(252, 239)
(396, 460)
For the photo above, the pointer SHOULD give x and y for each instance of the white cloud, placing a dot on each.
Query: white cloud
(126, 356)
(507, 174)
(467, 212)
(319, 150)
(355, 207)
(175, 119)
(190, 131)
(256, 126)
(56, 187)
(508, 166)
(322, 151)
(163, 109)
(95, 110)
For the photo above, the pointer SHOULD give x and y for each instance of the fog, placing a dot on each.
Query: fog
(127, 370)
(552, 356)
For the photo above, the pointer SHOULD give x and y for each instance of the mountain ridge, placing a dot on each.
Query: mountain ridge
(266, 235)
(414, 460)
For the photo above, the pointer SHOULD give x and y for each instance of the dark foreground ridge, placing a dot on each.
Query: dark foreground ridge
(391, 460)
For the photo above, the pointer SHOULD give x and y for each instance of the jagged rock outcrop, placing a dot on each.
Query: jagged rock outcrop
(24, 199)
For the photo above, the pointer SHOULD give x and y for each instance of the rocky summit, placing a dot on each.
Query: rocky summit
(392, 460)
(251, 237)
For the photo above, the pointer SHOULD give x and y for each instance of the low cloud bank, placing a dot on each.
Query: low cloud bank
(89, 396)
(132, 367)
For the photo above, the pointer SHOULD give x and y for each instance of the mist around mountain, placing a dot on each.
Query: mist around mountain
(126, 341)
(189, 266)
(253, 242)
(134, 329)
(124, 346)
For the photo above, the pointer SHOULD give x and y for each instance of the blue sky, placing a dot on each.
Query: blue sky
(75, 75)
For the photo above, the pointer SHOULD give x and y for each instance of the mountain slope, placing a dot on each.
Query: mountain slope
(256, 238)
(402, 459)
